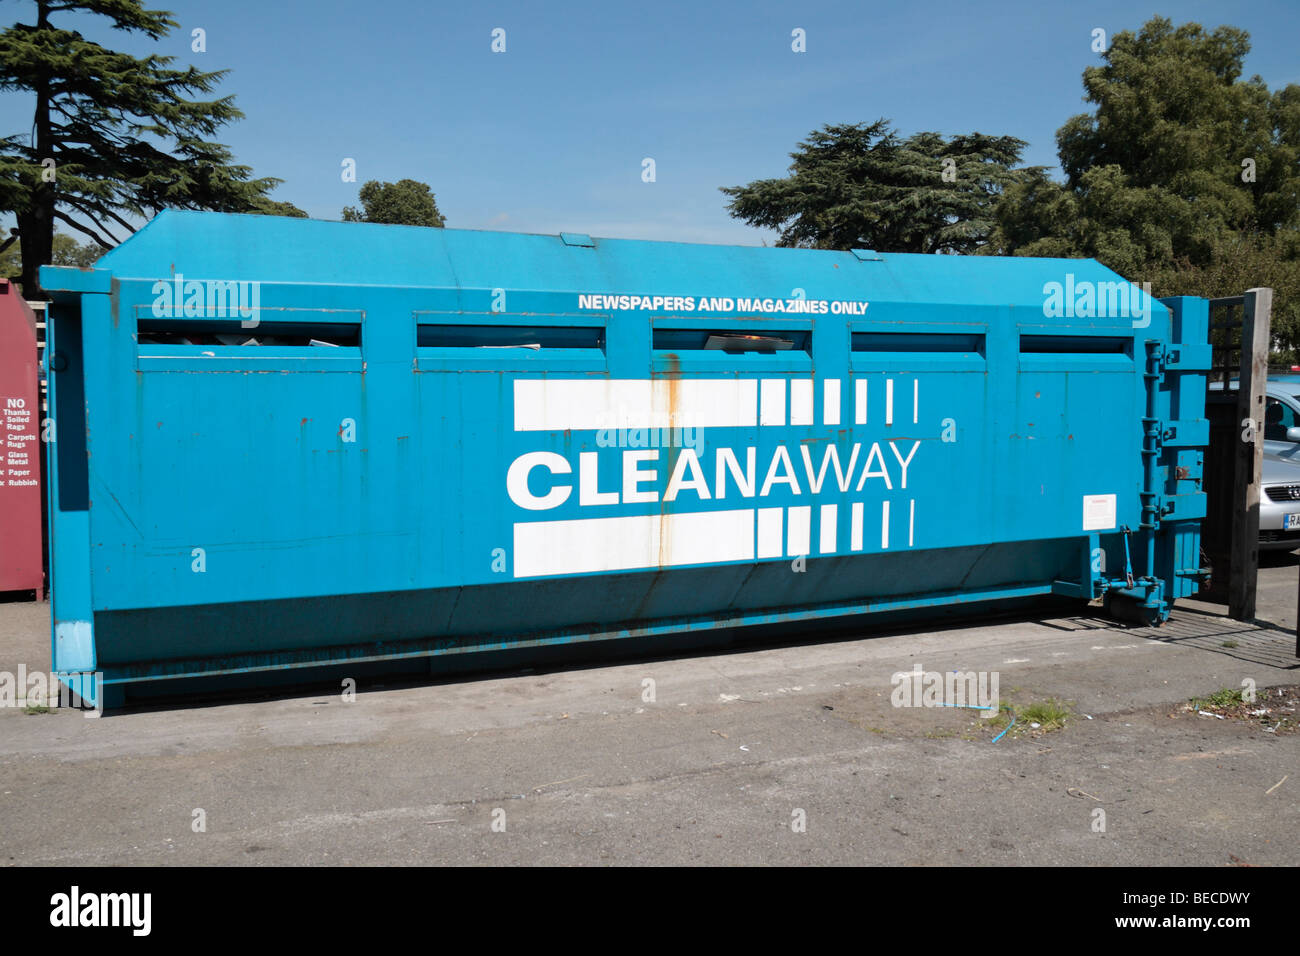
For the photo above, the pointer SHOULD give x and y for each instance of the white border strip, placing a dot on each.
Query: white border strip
(550, 404)
(590, 545)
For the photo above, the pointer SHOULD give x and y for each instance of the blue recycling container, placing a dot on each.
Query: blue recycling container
(286, 444)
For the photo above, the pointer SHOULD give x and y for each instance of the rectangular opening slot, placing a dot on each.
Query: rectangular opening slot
(69, 372)
(1075, 344)
(962, 342)
(528, 337)
(731, 341)
(223, 333)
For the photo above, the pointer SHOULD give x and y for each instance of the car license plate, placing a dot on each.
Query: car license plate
(1292, 523)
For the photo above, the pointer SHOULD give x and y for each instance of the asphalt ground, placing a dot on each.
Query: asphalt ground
(783, 754)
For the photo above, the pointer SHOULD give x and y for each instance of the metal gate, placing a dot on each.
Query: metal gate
(1239, 338)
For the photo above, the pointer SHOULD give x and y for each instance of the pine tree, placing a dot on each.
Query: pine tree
(114, 138)
(861, 185)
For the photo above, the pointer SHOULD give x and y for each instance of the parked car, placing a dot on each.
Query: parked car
(1279, 500)
(1279, 503)
(1281, 415)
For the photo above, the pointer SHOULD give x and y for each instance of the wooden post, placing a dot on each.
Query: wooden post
(1244, 562)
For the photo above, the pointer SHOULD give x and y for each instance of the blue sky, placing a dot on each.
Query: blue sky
(550, 135)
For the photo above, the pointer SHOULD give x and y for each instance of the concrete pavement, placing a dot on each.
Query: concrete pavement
(774, 755)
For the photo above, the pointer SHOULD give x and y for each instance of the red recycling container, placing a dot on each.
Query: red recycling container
(20, 449)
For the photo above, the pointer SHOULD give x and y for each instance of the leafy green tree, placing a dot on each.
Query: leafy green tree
(861, 185)
(1104, 217)
(1186, 175)
(270, 207)
(115, 138)
(11, 264)
(1180, 153)
(1238, 263)
(405, 202)
(1174, 114)
(66, 252)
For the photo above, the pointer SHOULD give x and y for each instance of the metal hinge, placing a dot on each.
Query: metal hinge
(1185, 434)
(1188, 357)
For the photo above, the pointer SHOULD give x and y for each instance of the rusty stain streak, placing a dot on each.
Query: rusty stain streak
(674, 387)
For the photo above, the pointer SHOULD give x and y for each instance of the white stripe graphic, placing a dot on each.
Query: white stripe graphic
(826, 529)
(911, 520)
(773, 402)
(916, 399)
(884, 525)
(550, 404)
(889, 401)
(799, 531)
(586, 545)
(831, 402)
(855, 536)
(801, 401)
(860, 402)
(769, 532)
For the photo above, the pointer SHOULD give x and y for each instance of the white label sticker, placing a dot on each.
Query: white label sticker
(1098, 512)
